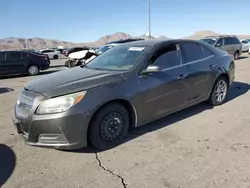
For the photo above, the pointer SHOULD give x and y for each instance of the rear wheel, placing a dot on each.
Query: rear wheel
(219, 92)
(33, 70)
(109, 126)
(55, 57)
(236, 55)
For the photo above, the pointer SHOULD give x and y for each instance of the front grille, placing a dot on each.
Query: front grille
(23, 105)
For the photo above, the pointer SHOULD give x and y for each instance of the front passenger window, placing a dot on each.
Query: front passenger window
(167, 57)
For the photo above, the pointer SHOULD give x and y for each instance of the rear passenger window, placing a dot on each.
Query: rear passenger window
(206, 52)
(192, 52)
(228, 41)
(235, 40)
(167, 57)
(14, 55)
(2, 56)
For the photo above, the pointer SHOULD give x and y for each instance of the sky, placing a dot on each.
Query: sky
(87, 21)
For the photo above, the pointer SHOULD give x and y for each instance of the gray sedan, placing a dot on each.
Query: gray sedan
(127, 86)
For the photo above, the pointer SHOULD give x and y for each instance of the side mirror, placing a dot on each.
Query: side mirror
(218, 45)
(150, 69)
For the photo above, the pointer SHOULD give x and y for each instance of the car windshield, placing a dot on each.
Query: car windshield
(117, 59)
(104, 49)
(209, 41)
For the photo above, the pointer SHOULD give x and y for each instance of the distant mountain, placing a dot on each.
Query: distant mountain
(40, 43)
(202, 34)
(34, 43)
(109, 38)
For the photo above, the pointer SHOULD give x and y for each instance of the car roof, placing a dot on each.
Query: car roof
(154, 42)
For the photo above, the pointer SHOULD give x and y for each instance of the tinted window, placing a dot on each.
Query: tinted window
(192, 52)
(14, 55)
(236, 41)
(220, 42)
(2, 56)
(167, 57)
(206, 52)
(233, 40)
(47, 51)
(245, 41)
(25, 54)
(78, 49)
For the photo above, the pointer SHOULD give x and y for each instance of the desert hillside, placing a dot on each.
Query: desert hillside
(39, 43)
(201, 34)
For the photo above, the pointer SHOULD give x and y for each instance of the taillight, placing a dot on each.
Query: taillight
(44, 57)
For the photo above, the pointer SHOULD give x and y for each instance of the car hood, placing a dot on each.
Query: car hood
(72, 80)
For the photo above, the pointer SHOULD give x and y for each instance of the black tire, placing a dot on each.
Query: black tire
(33, 70)
(236, 55)
(213, 100)
(112, 117)
(55, 57)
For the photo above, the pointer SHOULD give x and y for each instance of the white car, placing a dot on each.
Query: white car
(245, 45)
(53, 54)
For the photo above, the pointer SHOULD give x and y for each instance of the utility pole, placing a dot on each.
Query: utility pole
(149, 20)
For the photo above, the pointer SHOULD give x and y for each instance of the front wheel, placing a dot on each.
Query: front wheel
(109, 126)
(33, 70)
(219, 92)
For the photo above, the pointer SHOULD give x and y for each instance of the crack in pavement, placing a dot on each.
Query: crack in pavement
(108, 170)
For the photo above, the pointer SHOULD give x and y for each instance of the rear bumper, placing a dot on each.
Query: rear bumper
(45, 66)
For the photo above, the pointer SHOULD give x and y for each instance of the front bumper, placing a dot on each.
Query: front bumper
(61, 131)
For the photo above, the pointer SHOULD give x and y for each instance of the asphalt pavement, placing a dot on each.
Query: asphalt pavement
(200, 147)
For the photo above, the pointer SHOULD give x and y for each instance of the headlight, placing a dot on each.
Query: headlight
(60, 104)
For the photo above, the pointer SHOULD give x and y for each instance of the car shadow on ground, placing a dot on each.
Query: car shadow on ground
(237, 89)
(5, 90)
(243, 57)
(7, 163)
(56, 66)
(24, 75)
(48, 72)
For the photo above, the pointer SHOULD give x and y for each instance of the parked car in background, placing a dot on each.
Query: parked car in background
(245, 45)
(229, 43)
(22, 62)
(79, 58)
(127, 86)
(52, 54)
(75, 49)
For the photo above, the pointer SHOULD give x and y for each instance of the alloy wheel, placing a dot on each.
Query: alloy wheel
(33, 70)
(220, 91)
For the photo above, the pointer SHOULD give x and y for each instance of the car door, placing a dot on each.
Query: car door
(199, 64)
(220, 44)
(229, 45)
(3, 70)
(163, 91)
(15, 62)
